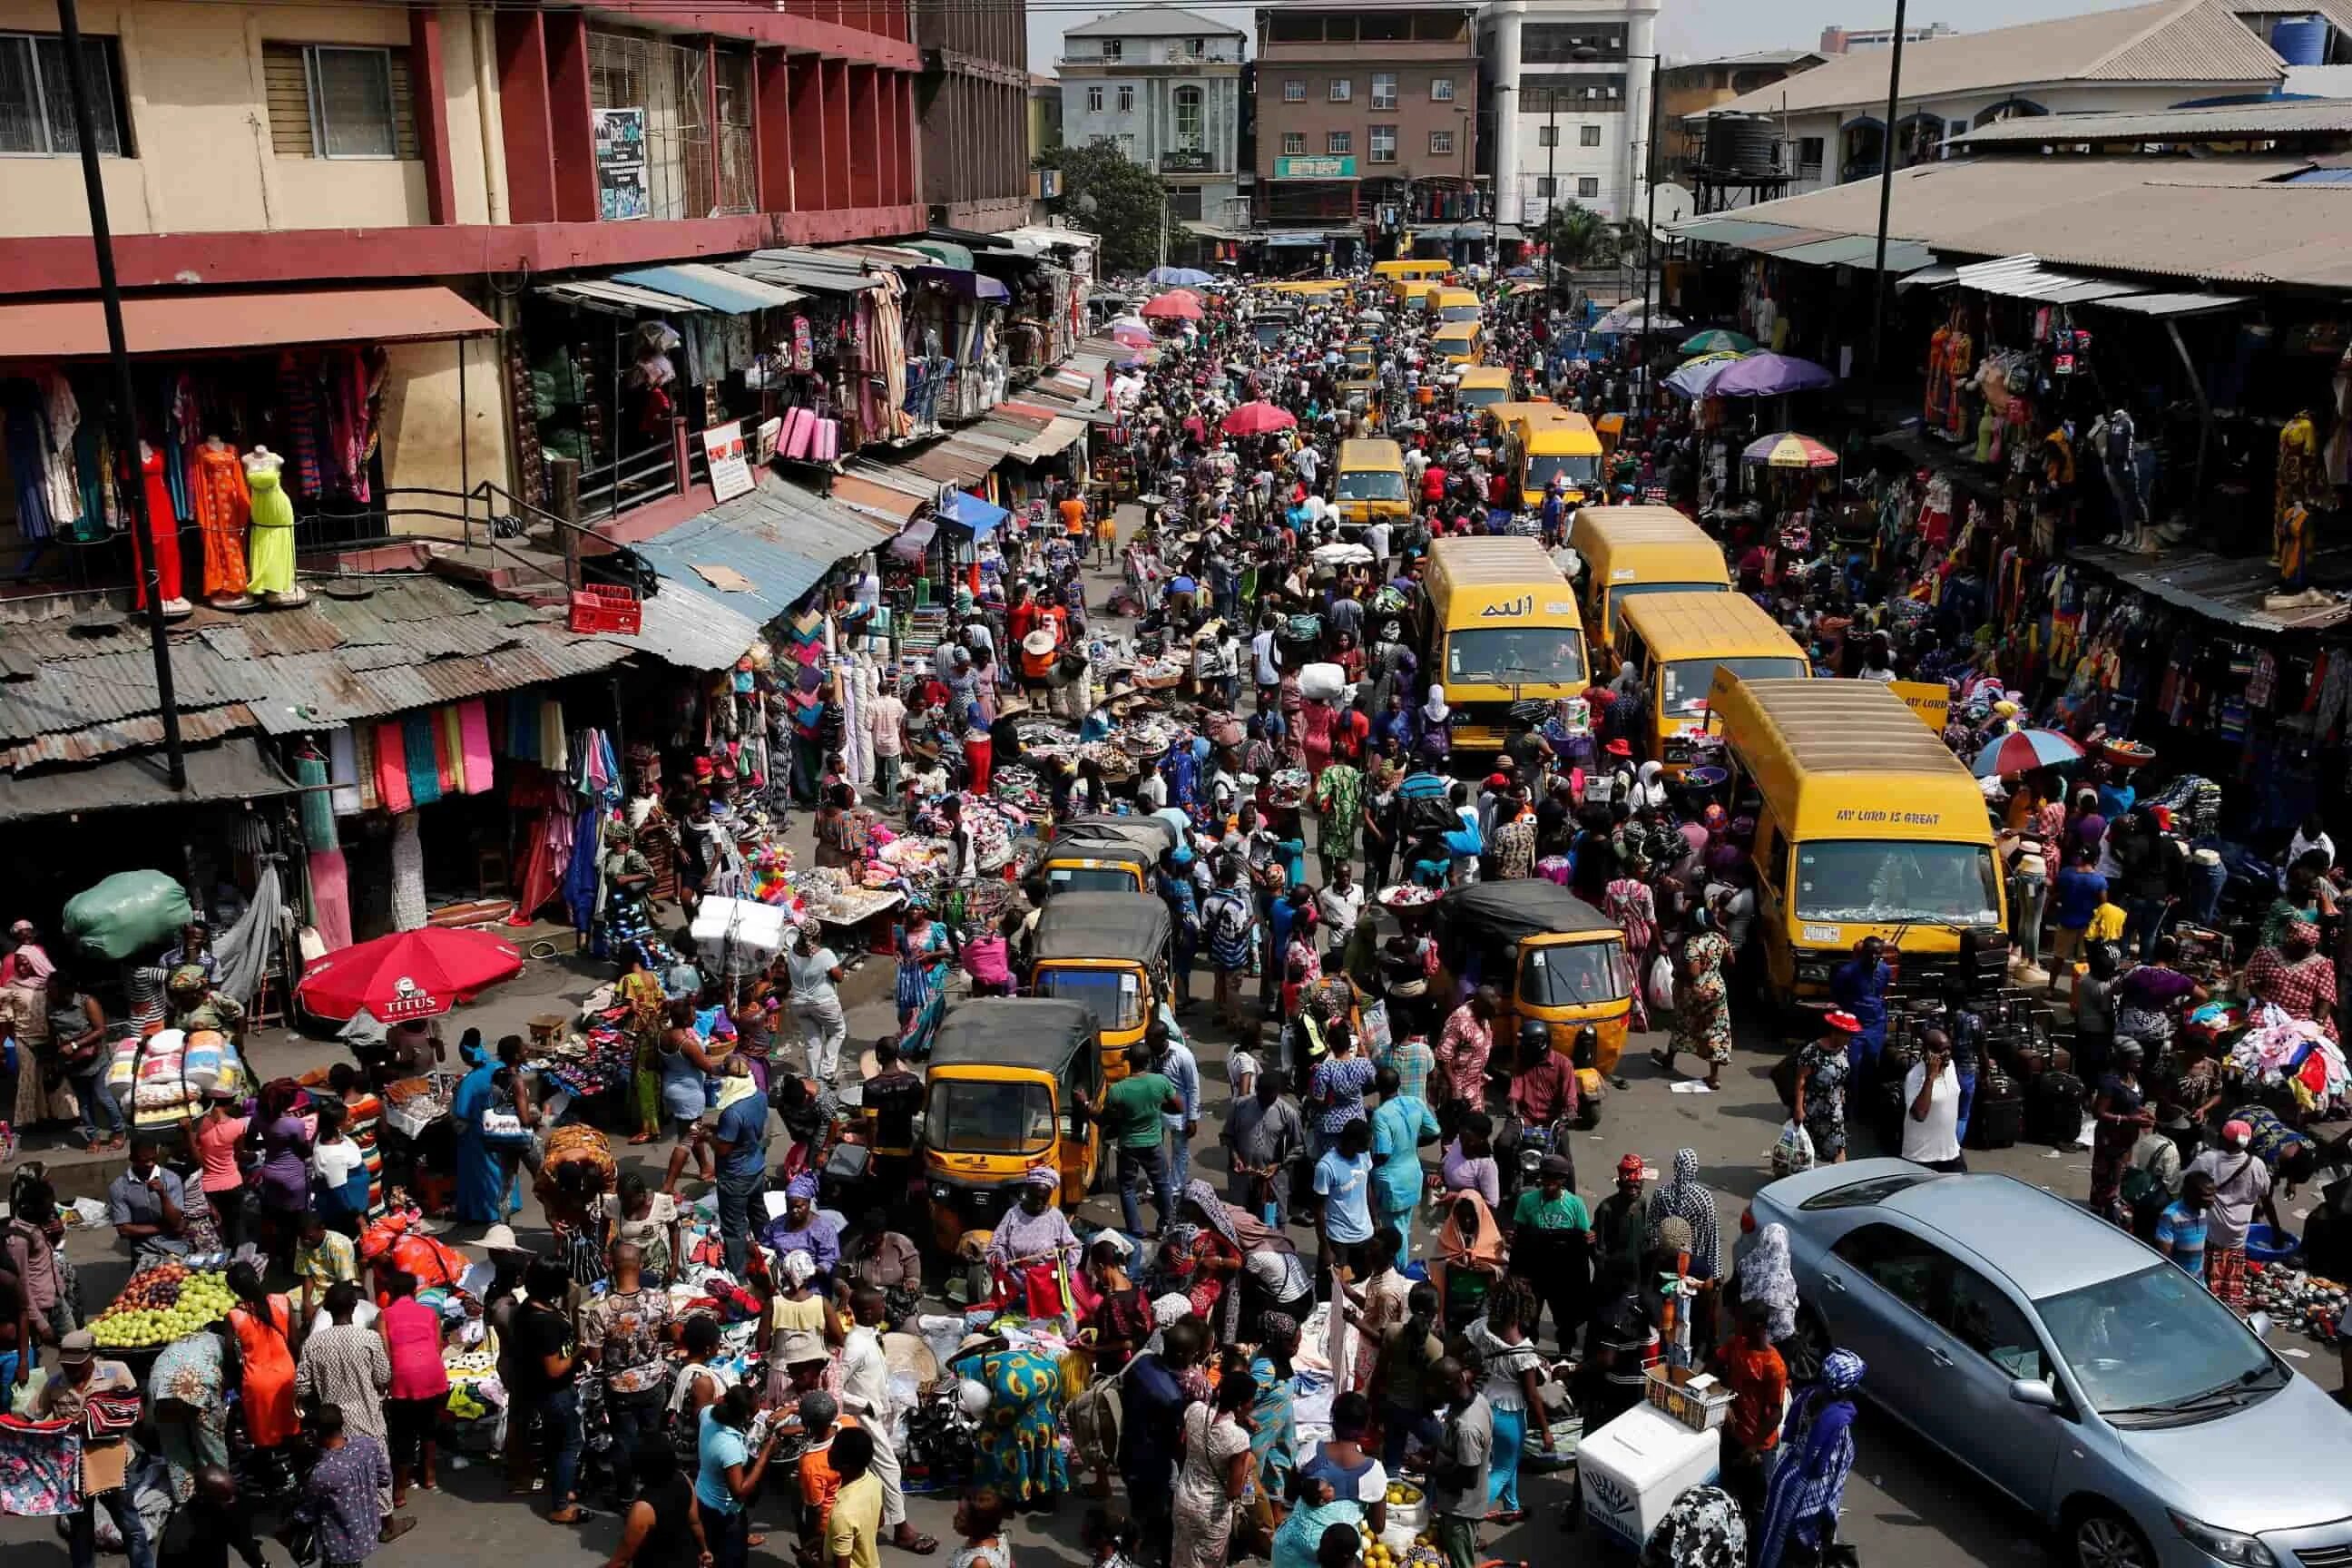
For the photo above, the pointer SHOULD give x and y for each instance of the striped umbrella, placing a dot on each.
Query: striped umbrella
(1693, 379)
(2023, 751)
(1789, 450)
(1716, 357)
(1718, 340)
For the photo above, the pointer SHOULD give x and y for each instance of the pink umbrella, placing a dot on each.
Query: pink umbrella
(1135, 336)
(1173, 306)
(1256, 419)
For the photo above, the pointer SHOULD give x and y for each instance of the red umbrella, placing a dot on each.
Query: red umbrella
(1256, 419)
(412, 975)
(1174, 306)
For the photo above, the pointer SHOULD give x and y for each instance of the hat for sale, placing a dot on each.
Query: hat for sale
(1843, 1023)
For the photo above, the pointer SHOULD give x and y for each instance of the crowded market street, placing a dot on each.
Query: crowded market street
(1408, 940)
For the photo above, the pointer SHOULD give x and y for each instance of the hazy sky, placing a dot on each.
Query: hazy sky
(1686, 29)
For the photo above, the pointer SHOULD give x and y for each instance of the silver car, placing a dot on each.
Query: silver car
(2072, 1366)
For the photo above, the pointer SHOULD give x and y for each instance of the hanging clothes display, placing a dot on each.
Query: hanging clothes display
(331, 898)
(271, 562)
(163, 523)
(409, 910)
(223, 509)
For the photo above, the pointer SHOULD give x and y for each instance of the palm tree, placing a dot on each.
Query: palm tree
(1578, 237)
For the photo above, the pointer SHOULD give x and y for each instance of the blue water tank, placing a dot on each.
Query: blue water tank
(2301, 40)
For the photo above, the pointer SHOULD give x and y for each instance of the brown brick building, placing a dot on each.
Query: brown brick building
(1366, 113)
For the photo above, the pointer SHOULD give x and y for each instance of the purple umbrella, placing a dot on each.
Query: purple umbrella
(1768, 375)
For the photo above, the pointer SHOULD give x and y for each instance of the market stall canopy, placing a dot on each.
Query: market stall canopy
(1175, 307)
(1257, 419)
(1789, 450)
(213, 323)
(236, 770)
(713, 288)
(1693, 379)
(765, 550)
(408, 976)
(1717, 339)
(1187, 277)
(2024, 752)
(1770, 375)
(968, 511)
(947, 252)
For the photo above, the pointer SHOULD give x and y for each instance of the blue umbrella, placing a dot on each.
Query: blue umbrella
(1697, 379)
(1178, 277)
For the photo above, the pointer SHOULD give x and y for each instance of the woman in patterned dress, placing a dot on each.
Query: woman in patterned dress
(1628, 901)
(1020, 1442)
(1703, 1006)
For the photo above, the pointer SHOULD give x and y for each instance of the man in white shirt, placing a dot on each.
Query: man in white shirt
(1309, 463)
(866, 1393)
(885, 721)
(1931, 1106)
(1267, 661)
(1339, 904)
(1376, 539)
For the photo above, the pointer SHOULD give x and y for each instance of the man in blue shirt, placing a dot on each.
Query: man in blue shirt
(1343, 1181)
(1401, 1124)
(1172, 1059)
(2076, 892)
(740, 1139)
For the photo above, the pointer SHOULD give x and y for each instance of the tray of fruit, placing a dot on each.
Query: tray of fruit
(163, 1302)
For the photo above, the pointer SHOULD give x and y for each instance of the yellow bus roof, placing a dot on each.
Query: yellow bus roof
(1385, 455)
(1452, 331)
(1486, 375)
(1457, 296)
(1554, 432)
(1848, 759)
(1707, 625)
(1673, 547)
(1499, 576)
(1411, 267)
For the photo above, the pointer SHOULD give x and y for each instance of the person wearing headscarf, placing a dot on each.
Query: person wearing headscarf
(1034, 1233)
(1685, 1197)
(1765, 1275)
(1816, 1456)
(1200, 1256)
(802, 1228)
(1703, 1529)
(1471, 1256)
(1274, 1424)
(1019, 1447)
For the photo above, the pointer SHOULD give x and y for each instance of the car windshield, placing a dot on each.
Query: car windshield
(1683, 687)
(1571, 468)
(1575, 974)
(2155, 1345)
(976, 1117)
(1517, 656)
(1886, 882)
(1370, 484)
(1092, 880)
(1113, 996)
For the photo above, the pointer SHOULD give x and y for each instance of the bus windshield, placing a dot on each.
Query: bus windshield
(1370, 484)
(1684, 686)
(1517, 656)
(1887, 881)
(1571, 468)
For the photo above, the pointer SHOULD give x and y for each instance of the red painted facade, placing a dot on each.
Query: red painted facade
(833, 140)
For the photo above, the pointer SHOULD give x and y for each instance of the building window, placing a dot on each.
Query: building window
(1294, 90)
(1561, 43)
(1193, 50)
(1441, 88)
(1294, 143)
(36, 98)
(1588, 136)
(1127, 101)
(332, 102)
(1190, 120)
(1113, 49)
(1809, 157)
(1547, 135)
(1587, 186)
(1546, 186)
(1384, 89)
(1342, 90)
(1381, 143)
(1094, 100)
(1339, 143)
(1441, 143)
(1126, 141)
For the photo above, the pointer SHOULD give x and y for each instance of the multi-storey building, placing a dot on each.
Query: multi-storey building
(1163, 86)
(1566, 97)
(1367, 113)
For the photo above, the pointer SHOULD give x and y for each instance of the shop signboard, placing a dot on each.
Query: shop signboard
(1931, 701)
(621, 190)
(765, 441)
(1315, 168)
(1187, 161)
(730, 471)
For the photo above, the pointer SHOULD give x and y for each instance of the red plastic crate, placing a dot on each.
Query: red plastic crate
(601, 609)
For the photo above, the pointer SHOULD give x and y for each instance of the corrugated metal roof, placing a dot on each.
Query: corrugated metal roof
(713, 288)
(865, 493)
(953, 461)
(781, 539)
(211, 322)
(2025, 278)
(1055, 439)
(689, 627)
(2186, 41)
(1725, 230)
(802, 275)
(2173, 304)
(2232, 121)
(1860, 251)
(2229, 589)
(234, 770)
(620, 299)
(81, 747)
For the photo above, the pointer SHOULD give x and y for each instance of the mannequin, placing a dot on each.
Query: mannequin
(272, 540)
(166, 529)
(223, 509)
(2298, 477)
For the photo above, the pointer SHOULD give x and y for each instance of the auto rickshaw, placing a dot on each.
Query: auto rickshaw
(1007, 1075)
(1360, 354)
(1144, 831)
(1108, 952)
(1101, 866)
(1548, 955)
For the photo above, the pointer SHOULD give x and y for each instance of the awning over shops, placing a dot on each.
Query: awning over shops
(1313, 241)
(958, 461)
(1939, 276)
(891, 504)
(2228, 589)
(911, 545)
(219, 322)
(690, 627)
(2173, 304)
(801, 268)
(1055, 439)
(713, 288)
(617, 299)
(236, 770)
(963, 280)
(967, 512)
(760, 554)
(2025, 278)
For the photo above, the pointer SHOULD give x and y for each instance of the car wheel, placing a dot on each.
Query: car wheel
(2106, 1538)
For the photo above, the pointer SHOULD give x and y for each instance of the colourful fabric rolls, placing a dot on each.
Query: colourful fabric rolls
(392, 767)
(424, 771)
(474, 744)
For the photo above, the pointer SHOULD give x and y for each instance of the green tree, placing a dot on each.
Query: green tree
(1578, 237)
(1110, 193)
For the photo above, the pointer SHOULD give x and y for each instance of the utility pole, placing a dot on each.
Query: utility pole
(1551, 184)
(1650, 225)
(121, 426)
(1886, 205)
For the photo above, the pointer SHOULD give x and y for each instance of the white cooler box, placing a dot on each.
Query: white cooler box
(1633, 1469)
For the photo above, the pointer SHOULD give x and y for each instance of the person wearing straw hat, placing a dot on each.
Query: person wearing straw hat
(1824, 1069)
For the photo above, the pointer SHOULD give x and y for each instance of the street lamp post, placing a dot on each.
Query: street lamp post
(1551, 185)
(1885, 204)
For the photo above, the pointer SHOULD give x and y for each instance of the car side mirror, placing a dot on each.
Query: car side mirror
(2262, 1325)
(2035, 1392)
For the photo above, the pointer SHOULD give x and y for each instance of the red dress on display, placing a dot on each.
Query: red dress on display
(165, 525)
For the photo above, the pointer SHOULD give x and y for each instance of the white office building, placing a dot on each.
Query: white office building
(1564, 90)
(1163, 85)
